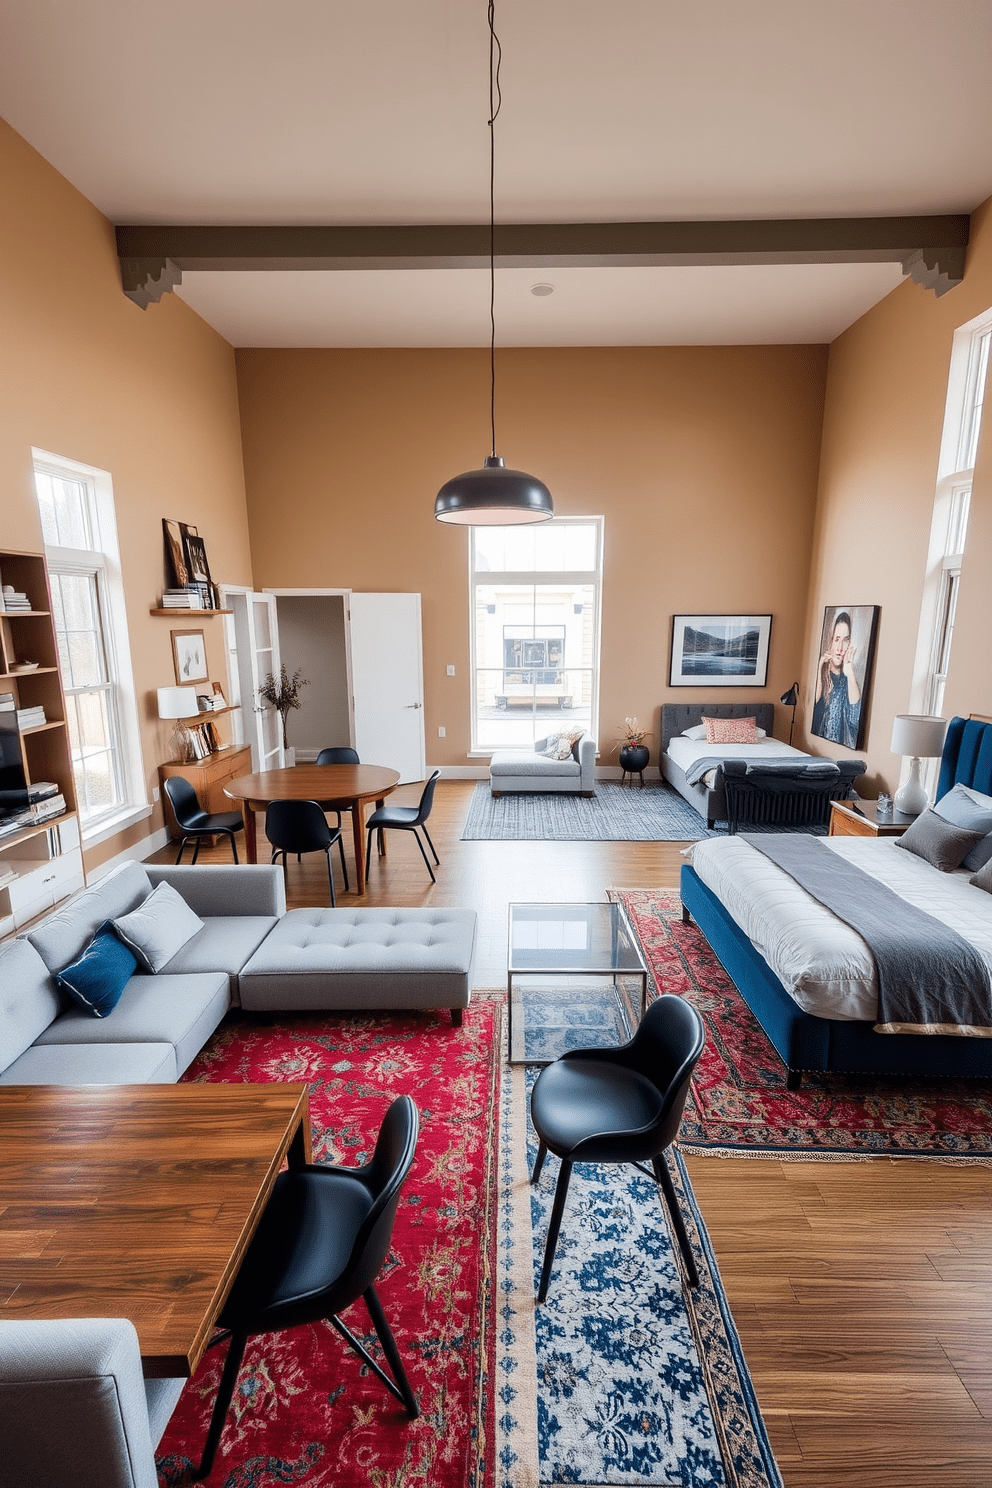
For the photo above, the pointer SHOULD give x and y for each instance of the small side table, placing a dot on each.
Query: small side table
(861, 819)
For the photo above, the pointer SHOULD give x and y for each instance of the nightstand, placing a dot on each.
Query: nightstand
(861, 819)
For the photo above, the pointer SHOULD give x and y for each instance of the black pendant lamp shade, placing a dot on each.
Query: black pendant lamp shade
(493, 497)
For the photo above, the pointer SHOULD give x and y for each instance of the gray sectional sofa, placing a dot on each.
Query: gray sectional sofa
(249, 951)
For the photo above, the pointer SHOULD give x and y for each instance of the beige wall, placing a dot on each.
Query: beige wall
(883, 418)
(149, 396)
(703, 461)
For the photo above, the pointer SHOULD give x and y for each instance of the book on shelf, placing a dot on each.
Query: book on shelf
(193, 597)
(44, 810)
(14, 600)
(7, 703)
(29, 718)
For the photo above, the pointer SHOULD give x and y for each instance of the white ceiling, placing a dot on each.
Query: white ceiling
(332, 111)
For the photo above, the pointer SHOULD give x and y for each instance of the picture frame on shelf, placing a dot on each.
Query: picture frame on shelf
(842, 679)
(720, 650)
(196, 562)
(175, 553)
(189, 656)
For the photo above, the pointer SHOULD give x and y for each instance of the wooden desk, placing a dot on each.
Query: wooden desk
(336, 787)
(861, 819)
(138, 1201)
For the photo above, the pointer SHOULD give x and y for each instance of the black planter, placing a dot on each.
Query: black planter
(633, 758)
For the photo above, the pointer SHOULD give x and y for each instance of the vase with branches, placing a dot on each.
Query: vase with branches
(283, 695)
(633, 736)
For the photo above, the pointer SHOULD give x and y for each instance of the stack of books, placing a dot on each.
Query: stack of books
(193, 597)
(29, 718)
(7, 704)
(41, 811)
(14, 600)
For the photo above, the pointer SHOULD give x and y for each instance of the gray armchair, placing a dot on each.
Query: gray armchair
(75, 1408)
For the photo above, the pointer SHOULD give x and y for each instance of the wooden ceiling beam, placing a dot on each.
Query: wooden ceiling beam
(930, 249)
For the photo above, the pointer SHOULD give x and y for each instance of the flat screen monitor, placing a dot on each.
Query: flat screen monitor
(13, 785)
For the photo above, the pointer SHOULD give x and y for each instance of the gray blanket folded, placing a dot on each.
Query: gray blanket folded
(930, 979)
(700, 767)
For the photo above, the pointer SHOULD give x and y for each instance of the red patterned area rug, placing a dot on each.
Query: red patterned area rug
(739, 1103)
(305, 1409)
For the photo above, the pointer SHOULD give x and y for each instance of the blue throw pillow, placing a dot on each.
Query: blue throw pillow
(968, 808)
(97, 978)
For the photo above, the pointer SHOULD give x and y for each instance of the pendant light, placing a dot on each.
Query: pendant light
(493, 496)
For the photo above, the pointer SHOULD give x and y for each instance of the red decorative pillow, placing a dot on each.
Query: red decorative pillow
(730, 731)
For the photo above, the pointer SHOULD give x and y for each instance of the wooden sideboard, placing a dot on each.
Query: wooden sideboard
(208, 778)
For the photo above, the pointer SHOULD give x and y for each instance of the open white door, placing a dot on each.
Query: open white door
(387, 678)
(253, 652)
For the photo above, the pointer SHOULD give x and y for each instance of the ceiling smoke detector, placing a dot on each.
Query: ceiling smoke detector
(542, 290)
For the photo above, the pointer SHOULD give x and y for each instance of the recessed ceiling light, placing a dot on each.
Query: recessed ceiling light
(541, 290)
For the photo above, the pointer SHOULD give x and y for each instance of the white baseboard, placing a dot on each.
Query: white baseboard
(136, 853)
(460, 772)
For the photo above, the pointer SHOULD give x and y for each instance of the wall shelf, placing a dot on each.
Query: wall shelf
(199, 614)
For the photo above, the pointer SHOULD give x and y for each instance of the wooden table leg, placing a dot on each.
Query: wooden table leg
(251, 839)
(358, 831)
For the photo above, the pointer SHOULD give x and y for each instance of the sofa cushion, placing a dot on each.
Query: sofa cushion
(29, 1000)
(179, 1010)
(512, 762)
(96, 979)
(66, 933)
(93, 1064)
(363, 958)
(159, 927)
(224, 944)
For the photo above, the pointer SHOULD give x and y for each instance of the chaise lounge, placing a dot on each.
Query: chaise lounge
(523, 770)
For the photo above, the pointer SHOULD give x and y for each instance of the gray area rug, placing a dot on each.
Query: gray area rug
(617, 813)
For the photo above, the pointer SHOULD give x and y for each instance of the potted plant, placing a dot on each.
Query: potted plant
(284, 696)
(634, 753)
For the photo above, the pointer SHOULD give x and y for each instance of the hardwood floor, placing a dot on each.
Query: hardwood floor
(861, 1290)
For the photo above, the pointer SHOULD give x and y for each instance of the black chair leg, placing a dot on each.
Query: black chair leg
(391, 1352)
(432, 847)
(196, 850)
(330, 876)
(182, 849)
(225, 1390)
(542, 1153)
(557, 1210)
(344, 864)
(234, 847)
(426, 859)
(664, 1177)
(368, 856)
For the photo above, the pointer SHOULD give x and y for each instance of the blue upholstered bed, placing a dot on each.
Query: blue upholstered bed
(809, 1043)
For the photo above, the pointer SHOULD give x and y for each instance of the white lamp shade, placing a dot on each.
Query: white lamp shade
(918, 735)
(177, 702)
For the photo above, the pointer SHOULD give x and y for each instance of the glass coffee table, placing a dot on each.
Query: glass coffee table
(575, 977)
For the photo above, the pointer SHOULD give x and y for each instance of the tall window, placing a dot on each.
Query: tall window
(535, 595)
(80, 533)
(952, 502)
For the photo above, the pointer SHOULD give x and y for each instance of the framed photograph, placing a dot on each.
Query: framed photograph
(196, 556)
(175, 553)
(189, 655)
(843, 674)
(720, 650)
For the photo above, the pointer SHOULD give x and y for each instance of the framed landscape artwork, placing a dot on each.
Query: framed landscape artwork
(720, 650)
(843, 674)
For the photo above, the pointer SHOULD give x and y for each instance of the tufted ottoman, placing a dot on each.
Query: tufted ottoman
(316, 959)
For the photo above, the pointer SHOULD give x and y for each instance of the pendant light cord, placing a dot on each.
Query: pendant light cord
(495, 104)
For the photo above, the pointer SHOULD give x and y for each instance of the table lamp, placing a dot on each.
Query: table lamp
(179, 703)
(920, 737)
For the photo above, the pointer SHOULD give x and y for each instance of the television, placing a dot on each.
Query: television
(13, 784)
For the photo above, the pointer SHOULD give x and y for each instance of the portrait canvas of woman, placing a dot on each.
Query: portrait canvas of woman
(843, 673)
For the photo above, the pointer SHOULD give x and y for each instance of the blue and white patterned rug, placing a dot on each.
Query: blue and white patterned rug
(616, 813)
(616, 1379)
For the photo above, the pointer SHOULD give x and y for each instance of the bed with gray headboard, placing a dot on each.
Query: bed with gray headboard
(780, 784)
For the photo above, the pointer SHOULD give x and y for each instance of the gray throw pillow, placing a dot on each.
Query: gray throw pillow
(159, 928)
(983, 878)
(969, 808)
(938, 841)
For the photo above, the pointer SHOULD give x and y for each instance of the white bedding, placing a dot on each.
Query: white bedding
(826, 966)
(686, 752)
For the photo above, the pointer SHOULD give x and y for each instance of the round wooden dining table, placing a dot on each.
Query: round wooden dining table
(335, 787)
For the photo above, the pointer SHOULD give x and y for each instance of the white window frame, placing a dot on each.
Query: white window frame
(577, 578)
(963, 410)
(102, 562)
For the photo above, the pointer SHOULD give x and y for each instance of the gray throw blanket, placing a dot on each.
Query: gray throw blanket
(700, 767)
(930, 979)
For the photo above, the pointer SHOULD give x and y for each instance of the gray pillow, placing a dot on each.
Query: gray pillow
(938, 841)
(969, 808)
(159, 927)
(983, 879)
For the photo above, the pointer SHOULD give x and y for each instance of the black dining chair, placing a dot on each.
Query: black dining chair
(320, 1244)
(406, 819)
(194, 822)
(338, 754)
(301, 827)
(620, 1105)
